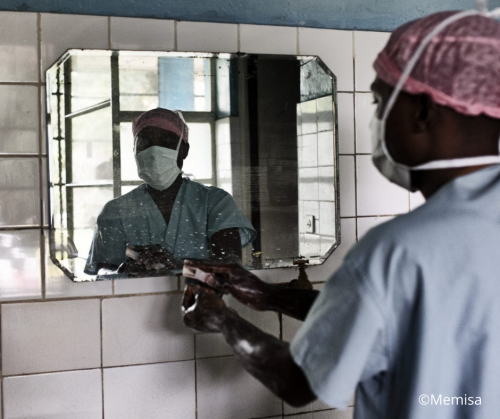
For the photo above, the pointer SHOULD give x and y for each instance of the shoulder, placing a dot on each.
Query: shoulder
(123, 202)
(212, 192)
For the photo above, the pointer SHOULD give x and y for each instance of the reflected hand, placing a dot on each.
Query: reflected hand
(146, 259)
(203, 310)
(235, 280)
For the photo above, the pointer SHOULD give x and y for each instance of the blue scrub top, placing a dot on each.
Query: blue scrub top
(414, 313)
(199, 211)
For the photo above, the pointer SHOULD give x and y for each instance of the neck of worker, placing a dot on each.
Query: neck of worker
(430, 181)
(171, 191)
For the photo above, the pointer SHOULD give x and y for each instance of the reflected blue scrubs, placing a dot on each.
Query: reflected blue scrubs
(134, 218)
(415, 310)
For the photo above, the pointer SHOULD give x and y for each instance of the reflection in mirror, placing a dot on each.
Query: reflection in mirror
(160, 157)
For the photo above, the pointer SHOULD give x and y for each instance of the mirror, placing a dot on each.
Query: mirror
(261, 167)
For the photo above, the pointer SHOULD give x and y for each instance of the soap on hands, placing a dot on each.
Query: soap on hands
(248, 289)
(230, 278)
(150, 259)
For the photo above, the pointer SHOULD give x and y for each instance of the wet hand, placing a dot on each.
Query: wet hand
(235, 280)
(142, 259)
(203, 310)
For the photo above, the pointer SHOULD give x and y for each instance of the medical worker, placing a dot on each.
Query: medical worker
(410, 322)
(186, 218)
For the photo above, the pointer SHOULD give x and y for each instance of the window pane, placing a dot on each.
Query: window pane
(138, 83)
(128, 165)
(198, 163)
(92, 147)
(185, 84)
(88, 203)
(90, 81)
(19, 192)
(20, 264)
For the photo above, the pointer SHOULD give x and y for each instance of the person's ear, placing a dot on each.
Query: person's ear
(185, 149)
(425, 113)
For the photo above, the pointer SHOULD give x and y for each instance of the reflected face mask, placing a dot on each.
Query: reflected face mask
(157, 166)
(398, 173)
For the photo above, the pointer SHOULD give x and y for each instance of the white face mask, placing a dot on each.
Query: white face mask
(398, 173)
(157, 166)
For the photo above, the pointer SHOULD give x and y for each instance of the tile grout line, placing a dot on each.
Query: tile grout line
(102, 368)
(238, 37)
(175, 35)
(355, 137)
(109, 32)
(89, 297)
(29, 374)
(297, 41)
(40, 158)
(2, 409)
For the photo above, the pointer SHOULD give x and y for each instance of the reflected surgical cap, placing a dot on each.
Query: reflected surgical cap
(161, 118)
(460, 68)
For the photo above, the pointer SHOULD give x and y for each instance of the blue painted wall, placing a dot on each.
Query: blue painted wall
(383, 15)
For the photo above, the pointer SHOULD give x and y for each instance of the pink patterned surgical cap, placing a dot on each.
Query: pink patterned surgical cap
(459, 68)
(160, 118)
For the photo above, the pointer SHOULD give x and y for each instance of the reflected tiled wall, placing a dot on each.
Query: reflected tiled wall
(119, 349)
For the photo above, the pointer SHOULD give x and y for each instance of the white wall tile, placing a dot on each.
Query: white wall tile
(345, 115)
(207, 37)
(214, 344)
(309, 150)
(334, 414)
(150, 391)
(140, 330)
(325, 113)
(347, 240)
(376, 195)
(50, 336)
(365, 109)
(268, 39)
(367, 45)
(326, 154)
(226, 391)
(67, 395)
(308, 184)
(334, 48)
(416, 199)
(347, 182)
(62, 32)
(19, 192)
(326, 189)
(19, 118)
(20, 276)
(142, 34)
(18, 47)
(146, 285)
(367, 223)
(327, 218)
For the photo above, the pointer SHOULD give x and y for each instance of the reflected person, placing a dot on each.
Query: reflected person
(184, 217)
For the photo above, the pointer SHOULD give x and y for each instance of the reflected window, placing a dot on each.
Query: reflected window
(96, 98)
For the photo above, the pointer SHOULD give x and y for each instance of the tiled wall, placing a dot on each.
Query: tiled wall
(119, 349)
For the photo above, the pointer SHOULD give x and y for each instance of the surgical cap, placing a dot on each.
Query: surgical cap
(161, 118)
(459, 68)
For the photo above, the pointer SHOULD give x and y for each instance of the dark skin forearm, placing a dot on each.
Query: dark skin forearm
(250, 290)
(268, 359)
(265, 357)
(292, 302)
